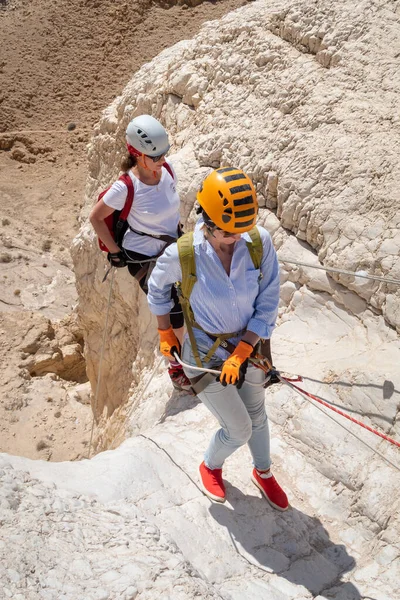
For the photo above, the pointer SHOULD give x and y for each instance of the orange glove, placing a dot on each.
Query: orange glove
(235, 367)
(169, 343)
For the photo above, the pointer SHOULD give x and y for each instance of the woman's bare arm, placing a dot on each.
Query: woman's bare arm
(100, 212)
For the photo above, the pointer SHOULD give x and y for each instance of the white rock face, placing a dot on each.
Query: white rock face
(338, 541)
(304, 97)
(78, 548)
(289, 92)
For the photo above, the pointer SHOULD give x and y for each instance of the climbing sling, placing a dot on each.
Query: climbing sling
(189, 278)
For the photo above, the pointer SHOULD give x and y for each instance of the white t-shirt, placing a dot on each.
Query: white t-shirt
(155, 210)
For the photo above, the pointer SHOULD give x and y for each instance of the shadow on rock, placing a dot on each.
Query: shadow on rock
(178, 402)
(387, 386)
(387, 389)
(291, 544)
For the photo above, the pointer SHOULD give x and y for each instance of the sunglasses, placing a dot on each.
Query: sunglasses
(156, 158)
(224, 234)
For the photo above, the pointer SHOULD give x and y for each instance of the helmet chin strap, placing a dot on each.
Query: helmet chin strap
(210, 230)
(142, 163)
(139, 158)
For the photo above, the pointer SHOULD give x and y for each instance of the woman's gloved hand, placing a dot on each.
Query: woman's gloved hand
(116, 259)
(235, 367)
(169, 343)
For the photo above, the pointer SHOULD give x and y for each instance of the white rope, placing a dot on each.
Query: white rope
(101, 360)
(201, 369)
(332, 270)
(215, 372)
(154, 371)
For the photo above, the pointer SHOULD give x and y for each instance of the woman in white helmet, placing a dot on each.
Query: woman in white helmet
(153, 221)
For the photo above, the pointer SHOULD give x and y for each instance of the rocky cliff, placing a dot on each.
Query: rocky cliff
(304, 99)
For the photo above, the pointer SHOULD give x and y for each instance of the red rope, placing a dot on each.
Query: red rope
(336, 410)
(266, 367)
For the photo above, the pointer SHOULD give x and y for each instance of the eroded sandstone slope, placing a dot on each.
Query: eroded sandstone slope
(60, 64)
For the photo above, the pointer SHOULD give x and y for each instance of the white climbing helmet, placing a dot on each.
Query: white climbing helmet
(146, 135)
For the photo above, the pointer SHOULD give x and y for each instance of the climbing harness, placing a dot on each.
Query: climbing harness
(163, 238)
(148, 263)
(189, 278)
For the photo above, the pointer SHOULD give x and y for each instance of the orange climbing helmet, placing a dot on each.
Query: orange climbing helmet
(228, 198)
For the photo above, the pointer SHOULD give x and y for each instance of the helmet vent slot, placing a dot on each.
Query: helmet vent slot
(234, 177)
(240, 188)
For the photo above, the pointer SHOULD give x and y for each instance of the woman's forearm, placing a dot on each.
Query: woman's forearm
(250, 338)
(163, 321)
(104, 234)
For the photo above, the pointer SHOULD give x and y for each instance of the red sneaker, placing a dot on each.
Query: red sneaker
(271, 489)
(179, 379)
(212, 484)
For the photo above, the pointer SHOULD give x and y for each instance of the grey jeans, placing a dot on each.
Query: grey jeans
(240, 413)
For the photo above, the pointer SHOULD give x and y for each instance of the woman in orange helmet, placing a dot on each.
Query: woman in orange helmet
(231, 294)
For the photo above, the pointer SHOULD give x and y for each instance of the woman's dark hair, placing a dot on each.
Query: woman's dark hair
(128, 162)
(207, 221)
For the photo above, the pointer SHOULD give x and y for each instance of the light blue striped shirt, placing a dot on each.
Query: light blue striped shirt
(222, 303)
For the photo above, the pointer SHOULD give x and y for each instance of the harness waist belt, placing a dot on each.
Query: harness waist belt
(169, 239)
(219, 340)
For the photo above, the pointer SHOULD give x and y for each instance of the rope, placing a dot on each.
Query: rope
(290, 383)
(135, 402)
(339, 412)
(348, 430)
(332, 270)
(215, 372)
(101, 360)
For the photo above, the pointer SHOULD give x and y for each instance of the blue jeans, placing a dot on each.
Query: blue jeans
(240, 413)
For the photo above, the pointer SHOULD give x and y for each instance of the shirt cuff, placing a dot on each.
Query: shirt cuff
(160, 309)
(260, 328)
